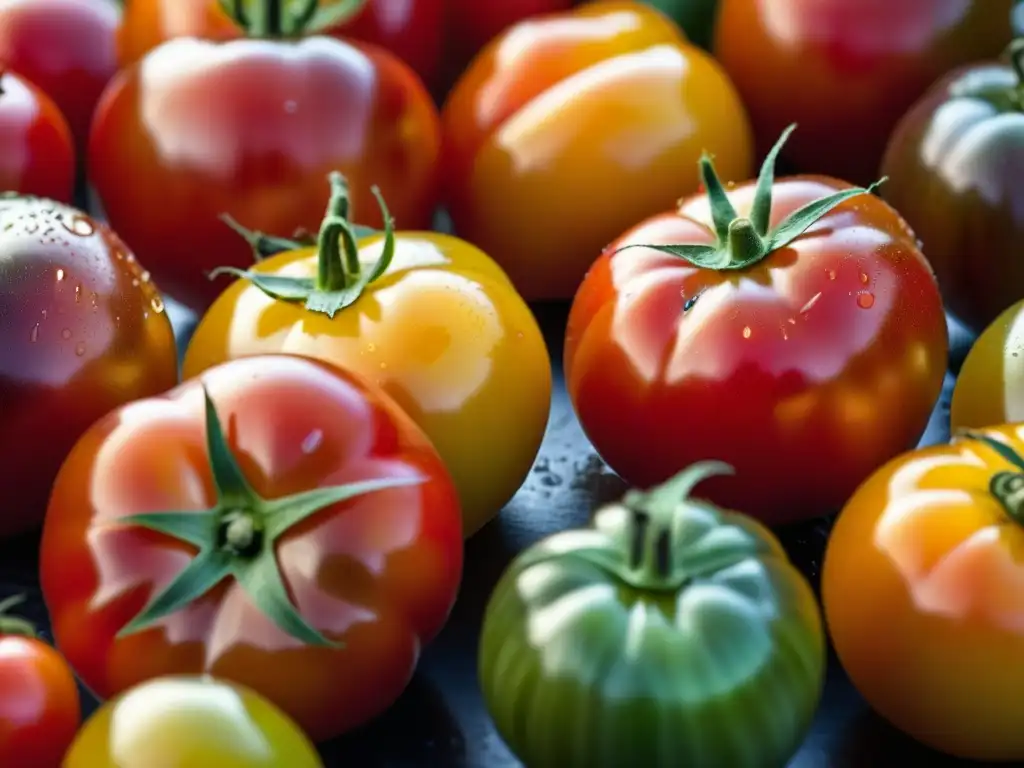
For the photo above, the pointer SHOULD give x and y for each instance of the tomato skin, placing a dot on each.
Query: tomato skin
(410, 29)
(65, 47)
(443, 332)
(252, 128)
(37, 153)
(191, 721)
(378, 573)
(792, 354)
(39, 707)
(846, 72)
(551, 113)
(927, 552)
(83, 330)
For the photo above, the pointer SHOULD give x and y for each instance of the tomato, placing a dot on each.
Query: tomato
(962, 199)
(928, 549)
(617, 644)
(307, 548)
(37, 153)
(571, 127)
(411, 29)
(39, 707)
(773, 336)
(66, 47)
(846, 72)
(426, 316)
(83, 330)
(696, 17)
(252, 127)
(191, 721)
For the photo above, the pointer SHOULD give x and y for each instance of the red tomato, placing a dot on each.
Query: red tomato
(39, 707)
(410, 29)
(847, 70)
(805, 356)
(66, 47)
(252, 128)
(82, 330)
(292, 531)
(37, 153)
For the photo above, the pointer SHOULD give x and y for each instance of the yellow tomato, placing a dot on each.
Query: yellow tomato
(990, 387)
(442, 331)
(190, 722)
(923, 591)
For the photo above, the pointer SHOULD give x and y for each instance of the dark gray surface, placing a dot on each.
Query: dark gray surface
(440, 721)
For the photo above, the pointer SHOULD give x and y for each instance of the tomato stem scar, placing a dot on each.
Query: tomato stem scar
(14, 625)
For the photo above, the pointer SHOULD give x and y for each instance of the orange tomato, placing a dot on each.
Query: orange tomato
(569, 128)
(923, 590)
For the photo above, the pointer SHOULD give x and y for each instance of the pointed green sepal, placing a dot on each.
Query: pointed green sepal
(1005, 452)
(801, 219)
(264, 246)
(196, 528)
(761, 208)
(231, 483)
(333, 14)
(722, 211)
(261, 579)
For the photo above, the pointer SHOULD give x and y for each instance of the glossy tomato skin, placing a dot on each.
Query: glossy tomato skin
(67, 48)
(378, 573)
(39, 706)
(953, 165)
(543, 137)
(830, 354)
(252, 128)
(83, 330)
(410, 29)
(37, 152)
(846, 72)
(924, 550)
(191, 721)
(443, 332)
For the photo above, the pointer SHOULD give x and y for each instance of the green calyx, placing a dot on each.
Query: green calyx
(14, 625)
(1015, 55)
(236, 538)
(1007, 487)
(341, 278)
(289, 18)
(742, 242)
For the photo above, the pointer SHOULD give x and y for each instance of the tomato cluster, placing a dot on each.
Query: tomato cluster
(249, 532)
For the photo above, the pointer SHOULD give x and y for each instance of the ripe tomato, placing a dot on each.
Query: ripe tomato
(410, 29)
(571, 127)
(191, 721)
(847, 71)
(307, 548)
(721, 632)
(37, 153)
(793, 338)
(65, 47)
(39, 707)
(922, 592)
(83, 330)
(428, 317)
(251, 128)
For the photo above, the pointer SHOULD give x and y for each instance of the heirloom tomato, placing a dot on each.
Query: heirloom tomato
(426, 316)
(668, 633)
(198, 722)
(789, 323)
(302, 538)
(410, 29)
(251, 127)
(847, 71)
(37, 153)
(68, 48)
(39, 707)
(990, 385)
(923, 585)
(568, 128)
(83, 330)
(954, 165)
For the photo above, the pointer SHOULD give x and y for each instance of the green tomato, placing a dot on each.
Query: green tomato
(669, 633)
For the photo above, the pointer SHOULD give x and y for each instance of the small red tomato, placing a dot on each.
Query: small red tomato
(37, 153)
(252, 128)
(39, 706)
(791, 329)
(275, 523)
(66, 47)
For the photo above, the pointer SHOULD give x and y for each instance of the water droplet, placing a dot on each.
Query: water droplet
(34, 335)
(145, 276)
(43, 313)
(864, 278)
(312, 441)
(811, 302)
(79, 225)
(78, 293)
(746, 332)
(831, 274)
(865, 300)
(383, 366)
(135, 282)
(66, 333)
(158, 304)
(371, 347)
(80, 348)
(60, 275)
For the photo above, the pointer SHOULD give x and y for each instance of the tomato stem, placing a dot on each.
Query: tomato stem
(1008, 488)
(14, 625)
(242, 533)
(339, 253)
(1015, 54)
